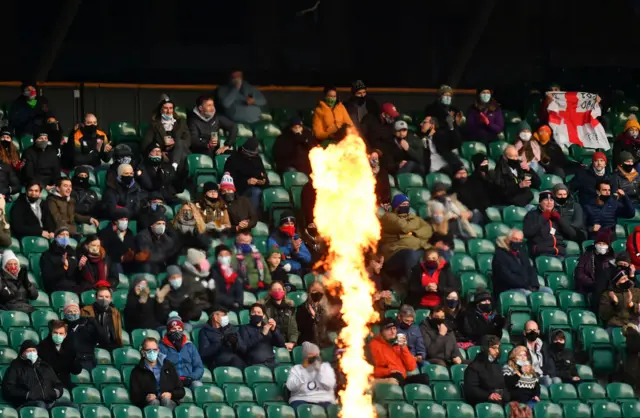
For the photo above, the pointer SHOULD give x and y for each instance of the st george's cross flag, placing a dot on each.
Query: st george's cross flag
(572, 116)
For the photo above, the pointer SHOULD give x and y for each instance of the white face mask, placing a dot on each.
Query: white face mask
(123, 225)
(601, 249)
(224, 321)
(525, 136)
(225, 260)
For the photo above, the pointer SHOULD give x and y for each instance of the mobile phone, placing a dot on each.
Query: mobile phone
(296, 236)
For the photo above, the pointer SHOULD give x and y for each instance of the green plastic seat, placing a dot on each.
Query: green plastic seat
(250, 411)
(585, 373)
(605, 409)
(573, 248)
(493, 214)
(126, 411)
(103, 375)
(115, 395)
(545, 264)
(568, 300)
(85, 394)
(473, 282)
(457, 373)
(83, 378)
(591, 391)
(434, 178)
(199, 163)
(517, 322)
(418, 197)
(553, 319)
(383, 393)
(619, 245)
(138, 335)
(221, 160)
(265, 129)
(539, 300)
(562, 392)
(431, 410)
(512, 215)
(593, 337)
(401, 410)
(285, 411)
(41, 317)
(416, 392)
(65, 412)
(123, 132)
(88, 297)
(157, 412)
(260, 230)
(576, 410)
(207, 394)
(32, 245)
(547, 181)
(95, 411)
(436, 373)
(61, 298)
(579, 318)
(559, 281)
(267, 393)
(484, 263)
(8, 412)
(102, 356)
(10, 319)
(446, 391)
(489, 410)
(620, 392)
(496, 149)
(459, 410)
(19, 335)
(275, 197)
(570, 264)
(225, 375)
(281, 373)
(494, 230)
(125, 355)
(274, 178)
(188, 411)
(462, 262)
(296, 281)
(408, 181)
(219, 410)
(547, 409)
(291, 179)
(298, 297)
(480, 246)
(630, 409)
(513, 301)
(33, 412)
(310, 411)
(469, 149)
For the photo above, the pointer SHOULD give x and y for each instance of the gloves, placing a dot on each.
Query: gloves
(129, 256)
(143, 256)
(231, 339)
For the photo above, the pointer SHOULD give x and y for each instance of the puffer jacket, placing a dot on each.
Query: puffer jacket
(63, 212)
(402, 232)
(545, 236)
(215, 348)
(117, 196)
(187, 360)
(285, 316)
(607, 214)
(328, 120)
(143, 382)
(27, 382)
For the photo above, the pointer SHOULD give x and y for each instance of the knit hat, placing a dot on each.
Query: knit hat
(227, 182)
(123, 167)
(82, 169)
(631, 123)
(174, 321)
(5, 131)
(439, 187)
(358, 85)
(120, 213)
(8, 255)
(273, 250)
(398, 200)
(153, 145)
(444, 89)
(195, 257)
(482, 295)
(624, 156)
(619, 275)
(220, 248)
(27, 344)
(624, 257)
(210, 185)
(251, 145)
(102, 283)
(61, 229)
(544, 195)
(173, 270)
(599, 156)
(524, 126)
(560, 186)
(400, 125)
(220, 308)
(155, 195)
(390, 109)
(309, 348)
(69, 305)
(156, 216)
(295, 121)
(287, 216)
(603, 235)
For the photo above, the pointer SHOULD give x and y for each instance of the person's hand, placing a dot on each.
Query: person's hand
(449, 120)
(108, 148)
(213, 142)
(418, 358)
(272, 324)
(312, 311)
(404, 145)
(576, 378)
(99, 143)
(252, 181)
(250, 100)
(632, 270)
(150, 397)
(598, 99)
(402, 163)
(138, 173)
(467, 215)
(457, 360)
(613, 298)
(243, 224)
(495, 397)
(82, 262)
(143, 256)
(49, 188)
(484, 118)
(222, 149)
(129, 256)
(596, 227)
(441, 246)
(162, 293)
(94, 222)
(620, 192)
(45, 234)
(432, 287)
(289, 346)
(442, 329)
(297, 243)
(65, 261)
(166, 395)
(459, 117)
(525, 183)
(265, 329)
(535, 398)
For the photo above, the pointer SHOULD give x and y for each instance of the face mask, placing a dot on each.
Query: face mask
(532, 336)
(155, 160)
(522, 363)
(158, 229)
(103, 303)
(445, 100)
(187, 216)
(543, 138)
(403, 210)
(360, 100)
(277, 294)
(175, 336)
(633, 134)
(483, 169)
(126, 180)
(57, 339)
(525, 136)
(224, 321)
(437, 321)
(625, 285)
(245, 248)
(123, 225)
(82, 183)
(627, 167)
(14, 270)
(255, 320)
(93, 250)
(62, 241)
(561, 200)
(431, 264)
(485, 307)
(557, 346)
(513, 163)
(289, 230)
(485, 97)
(72, 317)
(225, 260)
(316, 296)
(29, 94)
(604, 198)
(167, 117)
(151, 355)
(41, 144)
(516, 246)
(402, 325)
(453, 303)
(601, 249)
(175, 283)
(32, 356)
(437, 219)
(229, 197)
(211, 199)
(331, 101)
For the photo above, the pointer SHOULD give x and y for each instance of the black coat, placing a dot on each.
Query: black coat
(584, 184)
(41, 164)
(149, 315)
(26, 119)
(113, 246)
(242, 168)
(565, 364)
(117, 196)
(292, 150)
(441, 347)
(476, 192)
(64, 362)
(445, 141)
(447, 283)
(217, 346)
(24, 222)
(85, 148)
(143, 383)
(481, 379)
(232, 297)
(201, 129)
(258, 348)
(161, 178)
(440, 111)
(538, 232)
(508, 184)
(370, 107)
(25, 382)
(189, 300)
(161, 249)
(180, 134)
(15, 293)
(312, 329)
(86, 334)
(92, 269)
(87, 201)
(376, 133)
(475, 326)
(510, 271)
(9, 181)
(241, 209)
(54, 275)
(573, 215)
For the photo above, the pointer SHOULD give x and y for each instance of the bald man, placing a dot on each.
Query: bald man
(92, 146)
(515, 179)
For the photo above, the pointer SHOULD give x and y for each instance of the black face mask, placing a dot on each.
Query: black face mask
(175, 336)
(255, 320)
(436, 321)
(211, 199)
(316, 296)
(6, 144)
(561, 200)
(483, 169)
(604, 198)
(513, 163)
(625, 286)
(557, 346)
(461, 180)
(81, 183)
(627, 167)
(516, 246)
(32, 199)
(126, 180)
(229, 197)
(360, 100)
(532, 336)
(485, 307)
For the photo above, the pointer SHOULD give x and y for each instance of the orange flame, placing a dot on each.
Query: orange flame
(345, 215)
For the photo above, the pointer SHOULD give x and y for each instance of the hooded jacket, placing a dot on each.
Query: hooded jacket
(402, 232)
(545, 236)
(63, 361)
(41, 164)
(476, 325)
(441, 347)
(243, 167)
(55, 276)
(386, 358)
(292, 150)
(186, 360)
(201, 128)
(63, 212)
(328, 120)
(256, 347)
(482, 378)
(285, 316)
(143, 382)
(512, 270)
(27, 382)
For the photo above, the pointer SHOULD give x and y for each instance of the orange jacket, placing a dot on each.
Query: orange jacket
(387, 357)
(327, 120)
(77, 137)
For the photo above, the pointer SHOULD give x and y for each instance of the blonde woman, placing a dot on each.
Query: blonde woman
(191, 228)
(312, 317)
(521, 379)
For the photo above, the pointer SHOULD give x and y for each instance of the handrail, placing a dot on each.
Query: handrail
(210, 87)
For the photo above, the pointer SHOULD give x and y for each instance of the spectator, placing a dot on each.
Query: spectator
(154, 381)
(41, 162)
(152, 207)
(408, 152)
(541, 359)
(453, 315)
(544, 228)
(626, 177)
(406, 326)
(628, 141)
(183, 295)
(249, 263)
(330, 118)
(281, 309)
(246, 168)
(182, 353)
(360, 104)
(141, 311)
(241, 101)
(107, 316)
(440, 340)
(85, 335)
(229, 287)
(214, 211)
(170, 130)
(258, 338)
(154, 247)
(570, 212)
(383, 187)
(190, 227)
(484, 118)
(119, 242)
(58, 265)
(312, 317)
(29, 111)
(5, 228)
(15, 288)
(294, 251)
(457, 217)
(483, 379)
(122, 154)
(87, 200)
(391, 357)
(63, 208)
(474, 191)
(242, 213)
(94, 265)
(604, 212)
(521, 378)
(592, 272)
(92, 147)
(30, 215)
(125, 192)
(312, 382)
(204, 124)
(196, 269)
(633, 247)
(563, 358)
(291, 149)
(441, 108)
(543, 113)
(377, 129)
(156, 174)
(439, 143)
(442, 238)
(25, 374)
(511, 267)
(514, 179)
(620, 304)
(277, 269)
(554, 161)
(623, 264)
(431, 281)
(405, 236)
(481, 318)
(9, 152)
(585, 183)
(528, 150)
(632, 364)
(218, 341)
(57, 351)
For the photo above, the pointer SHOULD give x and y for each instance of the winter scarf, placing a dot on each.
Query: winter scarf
(187, 226)
(98, 260)
(229, 275)
(241, 252)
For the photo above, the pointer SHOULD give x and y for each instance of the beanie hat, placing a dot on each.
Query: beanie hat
(227, 182)
(82, 169)
(174, 321)
(210, 185)
(120, 213)
(358, 85)
(619, 275)
(560, 186)
(8, 255)
(444, 89)
(295, 121)
(398, 200)
(624, 156)
(631, 123)
(545, 129)
(27, 83)
(544, 195)
(27, 344)
(603, 235)
(439, 187)
(69, 305)
(61, 229)
(123, 167)
(599, 156)
(173, 270)
(309, 348)
(287, 216)
(5, 131)
(251, 145)
(195, 257)
(524, 126)
(156, 216)
(273, 250)
(482, 295)
(220, 248)
(122, 151)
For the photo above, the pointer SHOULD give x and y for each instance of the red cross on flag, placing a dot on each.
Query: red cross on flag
(572, 116)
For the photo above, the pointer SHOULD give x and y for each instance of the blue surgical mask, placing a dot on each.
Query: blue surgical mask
(485, 97)
(151, 355)
(175, 283)
(154, 206)
(32, 356)
(522, 363)
(167, 117)
(57, 339)
(62, 241)
(245, 248)
(446, 100)
(72, 317)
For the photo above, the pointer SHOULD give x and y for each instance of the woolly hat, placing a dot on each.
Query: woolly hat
(251, 145)
(358, 85)
(444, 89)
(208, 186)
(195, 257)
(173, 321)
(599, 156)
(273, 250)
(227, 182)
(287, 216)
(5, 131)
(123, 167)
(120, 213)
(295, 121)
(173, 270)
(27, 344)
(482, 295)
(121, 152)
(631, 123)
(560, 186)
(624, 257)
(69, 305)
(524, 126)
(61, 229)
(398, 200)
(624, 156)
(603, 235)
(544, 195)
(309, 348)
(8, 255)
(220, 248)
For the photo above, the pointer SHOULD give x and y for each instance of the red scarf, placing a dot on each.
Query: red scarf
(101, 266)
(431, 299)
(228, 274)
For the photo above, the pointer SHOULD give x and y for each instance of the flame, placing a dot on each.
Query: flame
(345, 215)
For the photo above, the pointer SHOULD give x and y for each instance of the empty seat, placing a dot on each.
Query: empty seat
(384, 393)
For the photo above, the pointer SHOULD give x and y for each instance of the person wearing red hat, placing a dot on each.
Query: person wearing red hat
(378, 129)
(182, 353)
(603, 213)
(585, 181)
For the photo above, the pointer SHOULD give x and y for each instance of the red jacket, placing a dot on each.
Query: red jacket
(387, 357)
(633, 246)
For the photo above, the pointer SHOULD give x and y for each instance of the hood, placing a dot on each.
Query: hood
(57, 194)
(501, 242)
(190, 269)
(201, 116)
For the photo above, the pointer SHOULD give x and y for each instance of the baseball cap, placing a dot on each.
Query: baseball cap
(390, 109)
(400, 125)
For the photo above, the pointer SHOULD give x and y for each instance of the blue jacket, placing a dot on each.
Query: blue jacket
(234, 102)
(258, 348)
(585, 181)
(187, 361)
(298, 261)
(511, 271)
(415, 342)
(607, 215)
(213, 347)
